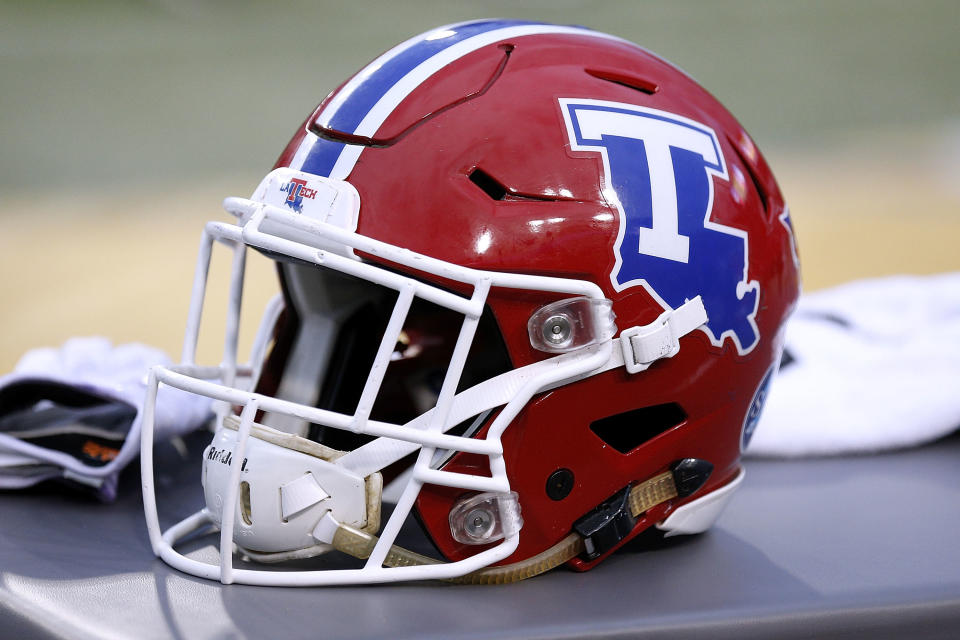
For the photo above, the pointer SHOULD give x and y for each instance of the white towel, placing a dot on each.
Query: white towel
(74, 413)
(869, 366)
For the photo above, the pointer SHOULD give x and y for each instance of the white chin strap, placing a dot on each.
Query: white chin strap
(636, 349)
(300, 499)
(277, 496)
(276, 515)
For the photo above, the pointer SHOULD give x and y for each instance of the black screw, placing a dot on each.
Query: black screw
(560, 484)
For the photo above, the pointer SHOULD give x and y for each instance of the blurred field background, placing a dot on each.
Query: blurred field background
(124, 124)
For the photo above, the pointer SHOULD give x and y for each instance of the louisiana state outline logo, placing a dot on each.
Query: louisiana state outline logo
(659, 171)
(296, 191)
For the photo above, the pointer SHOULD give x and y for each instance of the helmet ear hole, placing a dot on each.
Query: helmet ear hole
(628, 430)
(245, 508)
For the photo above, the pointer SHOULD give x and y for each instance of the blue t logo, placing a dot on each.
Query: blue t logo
(660, 170)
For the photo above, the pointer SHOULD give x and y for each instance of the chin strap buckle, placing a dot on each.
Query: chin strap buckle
(613, 520)
(605, 526)
(661, 338)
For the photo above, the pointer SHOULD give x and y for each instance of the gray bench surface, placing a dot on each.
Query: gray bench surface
(852, 547)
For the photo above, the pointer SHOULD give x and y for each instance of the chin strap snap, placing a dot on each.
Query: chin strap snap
(661, 338)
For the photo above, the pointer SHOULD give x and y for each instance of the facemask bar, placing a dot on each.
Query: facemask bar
(278, 231)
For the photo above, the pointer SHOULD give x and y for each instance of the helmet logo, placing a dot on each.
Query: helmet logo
(659, 169)
(752, 419)
(296, 191)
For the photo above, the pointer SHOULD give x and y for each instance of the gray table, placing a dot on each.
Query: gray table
(853, 547)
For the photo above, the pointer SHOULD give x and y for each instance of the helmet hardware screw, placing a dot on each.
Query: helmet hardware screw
(560, 484)
(557, 330)
(479, 523)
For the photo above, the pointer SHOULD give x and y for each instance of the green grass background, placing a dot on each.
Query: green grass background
(97, 94)
(123, 125)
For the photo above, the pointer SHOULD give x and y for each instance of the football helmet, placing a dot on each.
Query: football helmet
(534, 281)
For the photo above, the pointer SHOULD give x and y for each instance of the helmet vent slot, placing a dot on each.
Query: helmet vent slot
(757, 185)
(245, 503)
(626, 80)
(628, 430)
(488, 184)
(497, 191)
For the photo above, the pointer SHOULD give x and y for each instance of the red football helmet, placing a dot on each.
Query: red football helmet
(533, 275)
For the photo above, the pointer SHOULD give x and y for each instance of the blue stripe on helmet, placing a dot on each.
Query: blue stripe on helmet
(323, 155)
(368, 93)
(364, 96)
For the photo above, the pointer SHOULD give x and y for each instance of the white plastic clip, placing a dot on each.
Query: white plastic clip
(661, 338)
(300, 494)
(326, 529)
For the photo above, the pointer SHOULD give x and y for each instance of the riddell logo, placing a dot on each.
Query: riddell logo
(296, 191)
(224, 456)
